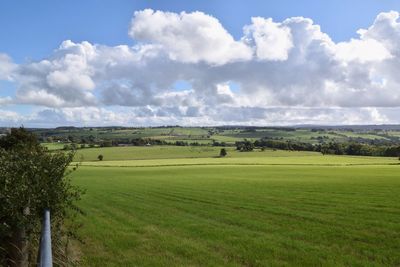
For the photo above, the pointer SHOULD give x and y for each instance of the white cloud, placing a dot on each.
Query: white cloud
(6, 67)
(188, 37)
(5, 100)
(385, 29)
(65, 79)
(8, 118)
(362, 50)
(272, 41)
(286, 72)
(222, 115)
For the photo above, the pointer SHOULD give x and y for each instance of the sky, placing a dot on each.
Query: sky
(221, 62)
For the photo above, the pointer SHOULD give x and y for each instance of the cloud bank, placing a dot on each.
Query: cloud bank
(277, 73)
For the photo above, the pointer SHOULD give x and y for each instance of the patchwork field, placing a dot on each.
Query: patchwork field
(185, 207)
(208, 135)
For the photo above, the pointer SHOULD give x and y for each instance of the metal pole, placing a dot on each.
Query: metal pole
(46, 259)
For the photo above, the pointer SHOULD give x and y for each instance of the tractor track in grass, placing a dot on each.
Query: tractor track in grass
(243, 164)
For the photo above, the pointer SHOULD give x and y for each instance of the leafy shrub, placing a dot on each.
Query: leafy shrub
(31, 180)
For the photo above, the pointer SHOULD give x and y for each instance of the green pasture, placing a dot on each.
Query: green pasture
(192, 155)
(285, 161)
(174, 152)
(146, 152)
(185, 206)
(367, 135)
(53, 146)
(240, 215)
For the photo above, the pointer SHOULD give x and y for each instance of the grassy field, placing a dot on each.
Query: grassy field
(146, 152)
(176, 152)
(246, 161)
(53, 146)
(184, 207)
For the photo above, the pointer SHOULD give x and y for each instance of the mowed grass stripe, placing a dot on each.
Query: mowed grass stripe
(286, 161)
(125, 223)
(243, 215)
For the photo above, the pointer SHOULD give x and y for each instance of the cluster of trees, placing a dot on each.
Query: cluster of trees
(244, 146)
(359, 149)
(216, 143)
(74, 146)
(32, 180)
(285, 145)
(350, 148)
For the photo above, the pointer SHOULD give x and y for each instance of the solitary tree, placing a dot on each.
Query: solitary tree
(100, 157)
(31, 180)
(223, 152)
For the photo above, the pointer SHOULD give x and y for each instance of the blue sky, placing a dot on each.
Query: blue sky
(33, 29)
(100, 63)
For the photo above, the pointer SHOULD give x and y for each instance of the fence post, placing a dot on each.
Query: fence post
(46, 259)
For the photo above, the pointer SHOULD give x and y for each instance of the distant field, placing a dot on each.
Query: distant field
(175, 152)
(152, 155)
(206, 135)
(147, 152)
(53, 146)
(364, 135)
(241, 215)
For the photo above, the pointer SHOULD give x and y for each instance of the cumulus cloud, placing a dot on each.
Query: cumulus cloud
(188, 37)
(272, 41)
(65, 79)
(362, 50)
(386, 29)
(277, 73)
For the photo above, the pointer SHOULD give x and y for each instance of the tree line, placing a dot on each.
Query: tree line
(349, 148)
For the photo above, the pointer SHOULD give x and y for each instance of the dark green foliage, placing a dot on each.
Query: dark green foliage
(100, 157)
(146, 141)
(245, 146)
(67, 147)
(284, 145)
(32, 179)
(181, 143)
(392, 151)
(19, 139)
(216, 143)
(107, 143)
(223, 152)
(355, 149)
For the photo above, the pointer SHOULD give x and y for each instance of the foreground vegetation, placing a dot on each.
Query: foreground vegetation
(188, 207)
(31, 181)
